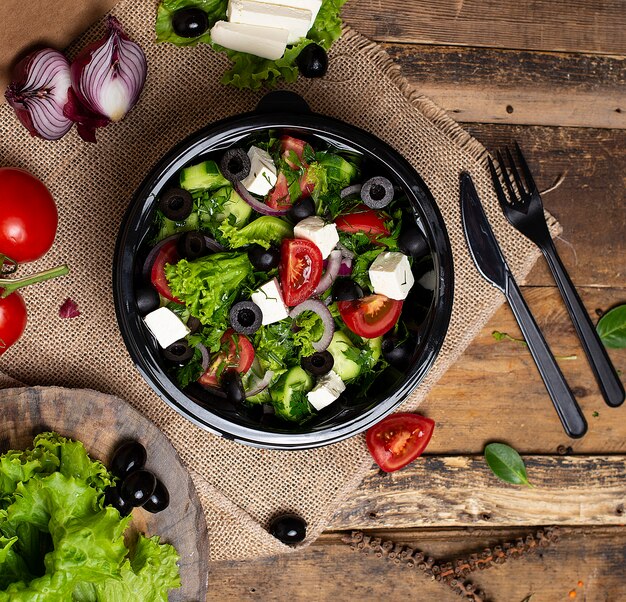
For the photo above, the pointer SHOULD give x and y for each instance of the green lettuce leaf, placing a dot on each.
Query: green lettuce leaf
(262, 231)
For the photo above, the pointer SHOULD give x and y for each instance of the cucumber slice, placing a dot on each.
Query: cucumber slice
(341, 348)
(203, 176)
(234, 206)
(289, 395)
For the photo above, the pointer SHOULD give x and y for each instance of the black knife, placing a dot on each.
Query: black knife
(487, 256)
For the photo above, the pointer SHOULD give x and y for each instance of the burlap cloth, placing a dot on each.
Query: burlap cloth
(241, 488)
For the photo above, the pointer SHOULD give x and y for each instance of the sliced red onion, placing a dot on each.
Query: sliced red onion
(39, 92)
(350, 190)
(107, 77)
(345, 268)
(258, 206)
(322, 311)
(260, 385)
(344, 251)
(205, 357)
(332, 270)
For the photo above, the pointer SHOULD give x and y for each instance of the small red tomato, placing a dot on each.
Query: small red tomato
(370, 316)
(363, 219)
(278, 197)
(398, 439)
(12, 320)
(300, 269)
(236, 352)
(167, 254)
(28, 216)
(293, 146)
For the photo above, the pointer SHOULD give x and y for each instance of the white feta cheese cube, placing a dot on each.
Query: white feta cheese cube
(266, 42)
(270, 299)
(262, 176)
(297, 21)
(166, 326)
(311, 5)
(390, 275)
(316, 230)
(327, 389)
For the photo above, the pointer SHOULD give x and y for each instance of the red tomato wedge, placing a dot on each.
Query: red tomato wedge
(398, 439)
(300, 269)
(289, 145)
(236, 352)
(278, 197)
(363, 219)
(370, 316)
(167, 254)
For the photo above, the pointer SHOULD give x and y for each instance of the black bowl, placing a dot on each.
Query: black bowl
(353, 412)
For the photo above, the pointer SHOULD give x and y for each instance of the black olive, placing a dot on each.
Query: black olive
(377, 192)
(128, 457)
(319, 363)
(288, 528)
(245, 317)
(301, 210)
(398, 353)
(190, 22)
(346, 289)
(312, 61)
(412, 241)
(235, 164)
(147, 298)
(176, 204)
(112, 497)
(191, 245)
(159, 500)
(178, 353)
(233, 387)
(193, 324)
(264, 259)
(137, 487)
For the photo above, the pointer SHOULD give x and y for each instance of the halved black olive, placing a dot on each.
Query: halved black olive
(159, 500)
(178, 353)
(312, 61)
(233, 387)
(412, 241)
(190, 22)
(319, 363)
(176, 204)
(128, 457)
(302, 209)
(137, 487)
(398, 353)
(191, 245)
(346, 289)
(147, 299)
(377, 192)
(288, 528)
(235, 164)
(245, 317)
(113, 497)
(193, 324)
(264, 259)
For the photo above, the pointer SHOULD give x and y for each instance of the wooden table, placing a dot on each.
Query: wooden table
(552, 75)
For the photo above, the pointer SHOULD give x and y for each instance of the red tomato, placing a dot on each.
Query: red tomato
(307, 184)
(399, 439)
(12, 320)
(289, 145)
(370, 316)
(278, 197)
(236, 352)
(167, 254)
(363, 219)
(300, 269)
(28, 216)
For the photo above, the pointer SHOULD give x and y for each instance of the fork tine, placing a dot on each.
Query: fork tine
(498, 186)
(518, 180)
(507, 180)
(527, 173)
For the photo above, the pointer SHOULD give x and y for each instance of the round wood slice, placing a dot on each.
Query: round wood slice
(101, 422)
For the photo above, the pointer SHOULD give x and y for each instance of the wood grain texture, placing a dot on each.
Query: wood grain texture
(329, 571)
(561, 25)
(101, 422)
(531, 88)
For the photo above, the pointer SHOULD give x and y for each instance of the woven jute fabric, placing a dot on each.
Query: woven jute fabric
(241, 488)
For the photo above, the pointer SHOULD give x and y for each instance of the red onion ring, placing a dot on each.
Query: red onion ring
(206, 358)
(332, 270)
(258, 206)
(322, 311)
(345, 269)
(261, 385)
(350, 190)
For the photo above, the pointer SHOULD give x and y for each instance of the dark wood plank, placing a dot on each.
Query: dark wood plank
(503, 86)
(561, 25)
(330, 571)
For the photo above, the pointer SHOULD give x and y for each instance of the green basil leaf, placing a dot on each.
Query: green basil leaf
(612, 328)
(506, 464)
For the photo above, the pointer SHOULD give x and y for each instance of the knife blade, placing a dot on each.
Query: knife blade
(490, 262)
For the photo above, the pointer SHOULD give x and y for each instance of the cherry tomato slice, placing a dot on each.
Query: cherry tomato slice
(370, 316)
(167, 254)
(300, 269)
(12, 320)
(398, 439)
(278, 197)
(289, 145)
(235, 352)
(363, 219)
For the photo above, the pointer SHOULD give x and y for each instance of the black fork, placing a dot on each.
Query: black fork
(524, 210)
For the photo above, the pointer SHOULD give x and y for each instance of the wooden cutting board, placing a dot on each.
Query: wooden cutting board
(101, 422)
